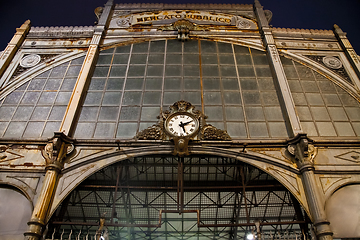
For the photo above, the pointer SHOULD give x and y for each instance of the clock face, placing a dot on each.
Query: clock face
(181, 125)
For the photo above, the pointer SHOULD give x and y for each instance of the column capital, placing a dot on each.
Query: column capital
(303, 151)
(55, 152)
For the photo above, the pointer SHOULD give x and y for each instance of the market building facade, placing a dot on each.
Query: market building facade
(179, 121)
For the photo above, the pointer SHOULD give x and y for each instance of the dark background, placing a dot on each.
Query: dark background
(307, 14)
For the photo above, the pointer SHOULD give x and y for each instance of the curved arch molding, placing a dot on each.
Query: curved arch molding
(89, 160)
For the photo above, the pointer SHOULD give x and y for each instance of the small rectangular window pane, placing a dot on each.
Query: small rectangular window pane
(37, 84)
(149, 113)
(57, 113)
(93, 98)
(140, 47)
(104, 59)
(138, 59)
(211, 83)
(173, 70)
(156, 59)
(248, 84)
(258, 129)
(121, 59)
(232, 97)
(246, 71)
(117, 71)
(15, 129)
(236, 130)
(97, 84)
(171, 97)
(68, 84)
(192, 70)
(129, 113)
(126, 130)
(136, 71)
(114, 84)
(230, 83)
(153, 84)
(112, 98)
(270, 98)
(40, 113)
(309, 128)
(209, 59)
(193, 97)
(173, 58)
(234, 114)
(212, 98)
(154, 70)
(104, 130)
(46, 97)
(101, 71)
(214, 113)
(337, 114)
(251, 97)
(277, 129)
(108, 113)
(33, 129)
(50, 128)
(344, 129)
(88, 114)
(23, 113)
(132, 98)
(6, 113)
(326, 129)
(228, 71)
(192, 83)
(152, 98)
(173, 84)
(84, 130)
(32, 97)
(273, 114)
(63, 98)
(254, 114)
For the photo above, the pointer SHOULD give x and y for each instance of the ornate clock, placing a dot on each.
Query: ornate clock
(182, 124)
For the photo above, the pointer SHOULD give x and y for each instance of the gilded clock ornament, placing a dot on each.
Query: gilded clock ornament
(181, 124)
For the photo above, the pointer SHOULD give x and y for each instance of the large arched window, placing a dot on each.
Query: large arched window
(131, 84)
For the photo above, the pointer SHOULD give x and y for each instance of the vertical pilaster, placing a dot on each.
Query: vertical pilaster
(278, 70)
(303, 152)
(9, 52)
(348, 49)
(54, 153)
(68, 122)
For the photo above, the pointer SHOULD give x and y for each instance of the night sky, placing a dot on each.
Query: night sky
(308, 14)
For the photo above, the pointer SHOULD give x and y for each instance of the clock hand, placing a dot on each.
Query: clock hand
(182, 125)
(187, 123)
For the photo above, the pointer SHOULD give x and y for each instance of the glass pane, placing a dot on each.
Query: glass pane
(226, 59)
(309, 86)
(40, 113)
(126, 130)
(337, 114)
(211, 83)
(193, 70)
(210, 70)
(173, 84)
(152, 98)
(314, 99)
(192, 83)
(299, 99)
(108, 113)
(214, 113)
(157, 46)
(84, 130)
(258, 130)
(150, 113)
(295, 86)
(243, 60)
(59, 71)
(208, 47)
(277, 129)
(33, 129)
(212, 98)
(37, 84)
(156, 59)
(123, 49)
(320, 113)
(332, 99)
(193, 97)
(309, 128)
(129, 113)
(116, 71)
(114, 84)
(251, 97)
(6, 112)
(32, 97)
(93, 98)
(104, 130)
(136, 71)
(270, 98)
(304, 113)
(234, 113)
(88, 114)
(154, 70)
(246, 71)
(236, 130)
(353, 113)
(153, 84)
(230, 84)
(104, 59)
(273, 114)
(132, 98)
(173, 70)
(23, 113)
(57, 113)
(191, 58)
(263, 72)
(134, 84)
(121, 59)
(254, 114)
(101, 71)
(174, 58)
(15, 129)
(191, 46)
(140, 47)
(241, 49)
(171, 97)
(63, 98)
(138, 59)
(260, 60)
(224, 47)
(209, 59)
(232, 97)
(112, 98)
(248, 84)
(97, 84)
(228, 71)
(344, 129)
(68, 84)
(46, 97)
(326, 129)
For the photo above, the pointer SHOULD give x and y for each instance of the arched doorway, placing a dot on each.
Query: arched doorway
(169, 197)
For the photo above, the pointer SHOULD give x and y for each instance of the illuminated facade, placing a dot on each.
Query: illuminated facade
(179, 121)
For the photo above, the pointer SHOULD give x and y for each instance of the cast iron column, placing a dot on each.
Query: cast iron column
(54, 153)
(15, 43)
(302, 153)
